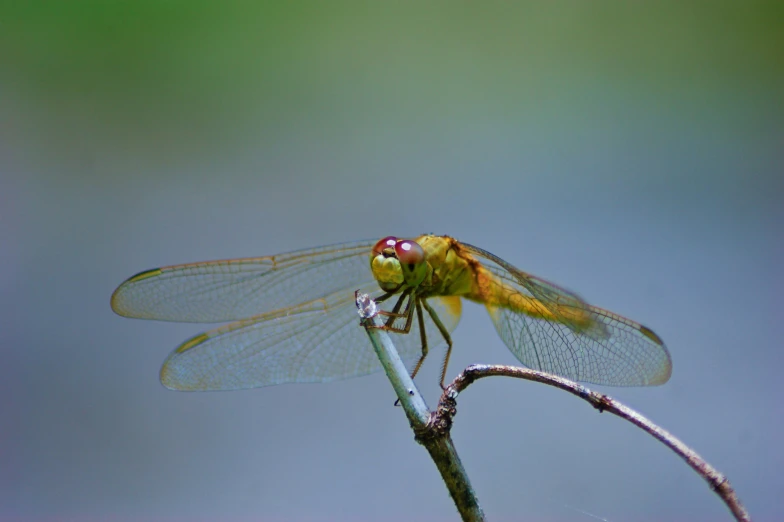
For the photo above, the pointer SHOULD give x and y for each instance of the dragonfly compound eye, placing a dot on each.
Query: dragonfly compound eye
(388, 244)
(409, 253)
(412, 261)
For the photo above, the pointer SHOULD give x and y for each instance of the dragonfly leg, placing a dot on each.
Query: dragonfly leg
(395, 314)
(422, 337)
(386, 295)
(408, 313)
(445, 334)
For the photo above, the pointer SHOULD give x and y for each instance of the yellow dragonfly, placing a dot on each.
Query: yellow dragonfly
(292, 317)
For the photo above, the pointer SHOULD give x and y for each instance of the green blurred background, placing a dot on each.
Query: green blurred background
(629, 151)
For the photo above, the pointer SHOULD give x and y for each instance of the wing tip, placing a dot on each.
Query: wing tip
(190, 343)
(663, 376)
(170, 381)
(170, 375)
(116, 300)
(175, 376)
(144, 274)
(650, 334)
(665, 372)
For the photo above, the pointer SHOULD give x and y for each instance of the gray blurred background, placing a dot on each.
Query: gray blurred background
(630, 152)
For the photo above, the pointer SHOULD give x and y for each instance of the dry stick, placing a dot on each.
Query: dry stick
(439, 445)
(442, 420)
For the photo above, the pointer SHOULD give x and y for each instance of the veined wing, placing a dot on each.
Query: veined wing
(219, 291)
(316, 341)
(569, 337)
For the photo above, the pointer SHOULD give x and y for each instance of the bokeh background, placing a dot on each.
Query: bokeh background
(632, 152)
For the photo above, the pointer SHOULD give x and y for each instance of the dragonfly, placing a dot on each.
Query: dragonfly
(292, 318)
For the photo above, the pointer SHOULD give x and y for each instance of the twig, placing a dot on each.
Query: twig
(437, 442)
(717, 481)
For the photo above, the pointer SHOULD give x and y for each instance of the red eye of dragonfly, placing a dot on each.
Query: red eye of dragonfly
(409, 252)
(384, 244)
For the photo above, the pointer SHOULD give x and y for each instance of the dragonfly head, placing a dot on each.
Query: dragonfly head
(395, 262)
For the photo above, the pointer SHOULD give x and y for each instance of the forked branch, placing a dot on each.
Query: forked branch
(432, 429)
(717, 481)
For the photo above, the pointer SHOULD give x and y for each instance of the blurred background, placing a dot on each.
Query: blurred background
(631, 152)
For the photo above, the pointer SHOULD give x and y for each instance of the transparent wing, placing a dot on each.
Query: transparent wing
(220, 291)
(569, 337)
(317, 341)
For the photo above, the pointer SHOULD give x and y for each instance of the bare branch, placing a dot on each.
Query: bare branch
(717, 481)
